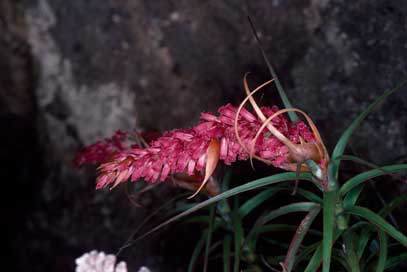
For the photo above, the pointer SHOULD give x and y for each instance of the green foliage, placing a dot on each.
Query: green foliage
(352, 237)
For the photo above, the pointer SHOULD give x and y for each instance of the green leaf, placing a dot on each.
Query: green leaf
(315, 169)
(209, 236)
(343, 140)
(251, 241)
(360, 161)
(393, 261)
(238, 235)
(131, 240)
(397, 201)
(226, 180)
(352, 197)
(379, 222)
(259, 225)
(197, 251)
(275, 242)
(280, 227)
(257, 200)
(309, 195)
(316, 259)
(363, 239)
(305, 253)
(381, 264)
(202, 219)
(290, 208)
(338, 256)
(271, 260)
(333, 183)
(287, 104)
(298, 238)
(350, 253)
(275, 179)
(328, 227)
(365, 176)
(360, 241)
(226, 253)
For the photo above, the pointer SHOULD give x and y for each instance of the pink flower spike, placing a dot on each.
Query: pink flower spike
(186, 150)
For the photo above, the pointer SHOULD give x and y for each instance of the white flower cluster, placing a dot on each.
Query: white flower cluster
(99, 262)
(144, 269)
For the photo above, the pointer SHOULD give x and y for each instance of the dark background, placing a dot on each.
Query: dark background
(72, 72)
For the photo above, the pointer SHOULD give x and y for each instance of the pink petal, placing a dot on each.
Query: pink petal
(247, 115)
(223, 148)
(209, 117)
(201, 162)
(191, 167)
(165, 172)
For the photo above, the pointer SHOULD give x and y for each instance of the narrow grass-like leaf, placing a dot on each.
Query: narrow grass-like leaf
(328, 227)
(197, 251)
(356, 191)
(205, 220)
(396, 202)
(305, 253)
(394, 261)
(362, 162)
(381, 264)
(238, 235)
(131, 238)
(359, 241)
(352, 196)
(298, 238)
(363, 240)
(343, 140)
(290, 208)
(275, 242)
(275, 179)
(365, 176)
(379, 222)
(287, 104)
(338, 256)
(309, 195)
(316, 259)
(350, 253)
(252, 237)
(209, 236)
(315, 169)
(226, 253)
(257, 200)
(226, 180)
(281, 227)
(271, 260)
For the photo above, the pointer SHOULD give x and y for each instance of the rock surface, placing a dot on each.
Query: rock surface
(73, 72)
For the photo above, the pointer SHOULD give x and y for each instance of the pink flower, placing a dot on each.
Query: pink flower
(187, 150)
(102, 151)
